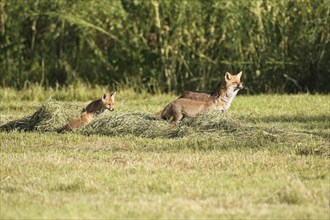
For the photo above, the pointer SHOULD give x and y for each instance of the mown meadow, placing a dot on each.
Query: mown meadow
(267, 157)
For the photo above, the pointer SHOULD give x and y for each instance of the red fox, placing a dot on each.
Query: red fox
(193, 103)
(94, 108)
(205, 96)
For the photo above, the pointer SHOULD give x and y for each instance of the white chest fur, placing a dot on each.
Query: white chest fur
(228, 97)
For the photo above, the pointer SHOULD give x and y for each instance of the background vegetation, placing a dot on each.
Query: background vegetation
(163, 45)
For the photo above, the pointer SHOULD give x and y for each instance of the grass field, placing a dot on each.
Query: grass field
(275, 164)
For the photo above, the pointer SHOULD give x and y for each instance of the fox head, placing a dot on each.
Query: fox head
(234, 81)
(109, 101)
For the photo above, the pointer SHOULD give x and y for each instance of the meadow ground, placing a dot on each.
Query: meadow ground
(275, 164)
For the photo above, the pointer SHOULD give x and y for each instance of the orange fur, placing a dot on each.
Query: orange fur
(193, 103)
(93, 109)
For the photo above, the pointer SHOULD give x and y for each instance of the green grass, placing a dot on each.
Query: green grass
(274, 165)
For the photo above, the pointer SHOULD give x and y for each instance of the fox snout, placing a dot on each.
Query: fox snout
(109, 107)
(238, 87)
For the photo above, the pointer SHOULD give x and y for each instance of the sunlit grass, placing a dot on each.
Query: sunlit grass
(277, 169)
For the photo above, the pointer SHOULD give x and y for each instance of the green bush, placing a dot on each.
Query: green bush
(281, 46)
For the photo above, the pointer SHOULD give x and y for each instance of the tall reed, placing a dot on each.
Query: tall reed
(281, 46)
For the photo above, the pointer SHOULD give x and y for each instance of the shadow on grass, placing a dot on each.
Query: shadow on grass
(320, 119)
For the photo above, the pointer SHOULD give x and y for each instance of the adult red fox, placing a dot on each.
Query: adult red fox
(205, 96)
(94, 108)
(193, 103)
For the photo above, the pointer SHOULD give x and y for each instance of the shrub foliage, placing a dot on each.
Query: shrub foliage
(282, 46)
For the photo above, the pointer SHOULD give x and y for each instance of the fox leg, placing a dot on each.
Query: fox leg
(167, 113)
(177, 114)
(177, 117)
(66, 127)
(62, 129)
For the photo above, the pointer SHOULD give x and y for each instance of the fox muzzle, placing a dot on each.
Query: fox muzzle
(109, 107)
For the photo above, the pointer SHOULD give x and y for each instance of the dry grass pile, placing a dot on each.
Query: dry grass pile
(148, 125)
(52, 115)
(135, 123)
(214, 121)
(48, 117)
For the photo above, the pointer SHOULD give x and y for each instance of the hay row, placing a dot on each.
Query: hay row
(52, 115)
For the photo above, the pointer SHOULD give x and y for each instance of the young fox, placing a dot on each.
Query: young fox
(193, 103)
(94, 108)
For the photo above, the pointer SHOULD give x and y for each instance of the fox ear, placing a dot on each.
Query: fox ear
(113, 95)
(104, 96)
(227, 76)
(239, 74)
